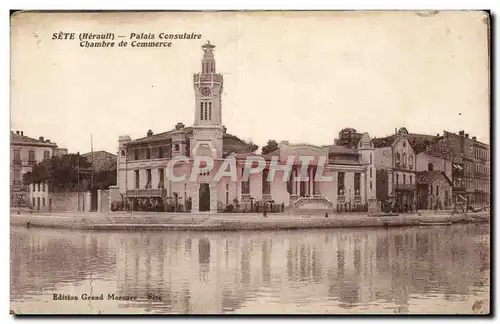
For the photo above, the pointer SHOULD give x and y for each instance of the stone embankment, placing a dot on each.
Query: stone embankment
(232, 222)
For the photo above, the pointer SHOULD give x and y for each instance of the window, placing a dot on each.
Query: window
(371, 170)
(148, 153)
(176, 148)
(398, 159)
(430, 187)
(38, 186)
(371, 159)
(123, 153)
(357, 184)
(437, 190)
(430, 167)
(17, 156)
(206, 112)
(17, 177)
(397, 178)
(404, 160)
(43, 187)
(43, 202)
(245, 186)
(266, 185)
(370, 185)
(31, 159)
(136, 154)
(160, 152)
(46, 155)
(137, 178)
(210, 111)
(404, 178)
(161, 175)
(411, 179)
(340, 183)
(227, 194)
(148, 177)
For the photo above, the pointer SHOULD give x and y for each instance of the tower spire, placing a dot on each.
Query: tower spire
(208, 61)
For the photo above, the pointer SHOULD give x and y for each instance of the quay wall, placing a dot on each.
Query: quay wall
(221, 222)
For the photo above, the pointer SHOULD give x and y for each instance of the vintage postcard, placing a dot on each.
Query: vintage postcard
(250, 162)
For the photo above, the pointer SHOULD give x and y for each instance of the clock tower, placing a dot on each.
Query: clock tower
(208, 90)
(207, 128)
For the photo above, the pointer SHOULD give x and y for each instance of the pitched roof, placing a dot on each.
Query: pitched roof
(427, 177)
(230, 143)
(101, 160)
(21, 139)
(159, 137)
(384, 141)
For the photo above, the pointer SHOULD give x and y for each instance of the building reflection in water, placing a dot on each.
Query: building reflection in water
(196, 272)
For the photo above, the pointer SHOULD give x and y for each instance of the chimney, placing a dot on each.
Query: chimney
(461, 133)
(466, 135)
(17, 132)
(473, 138)
(47, 141)
(179, 126)
(395, 130)
(437, 135)
(40, 138)
(224, 129)
(22, 133)
(284, 143)
(149, 133)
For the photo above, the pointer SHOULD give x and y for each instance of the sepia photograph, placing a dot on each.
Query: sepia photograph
(250, 162)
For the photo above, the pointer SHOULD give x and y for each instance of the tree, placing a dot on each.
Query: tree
(60, 172)
(271, 146)
(253, 147)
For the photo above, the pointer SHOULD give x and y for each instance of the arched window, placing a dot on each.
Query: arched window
(201, 110)
(210, 111)
(430, 167)
(404, 160)
(371, 158)
(206, 112)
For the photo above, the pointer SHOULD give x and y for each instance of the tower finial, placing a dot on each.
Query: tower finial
(208, 48)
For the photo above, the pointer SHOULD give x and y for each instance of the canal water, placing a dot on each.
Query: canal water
(423, 270)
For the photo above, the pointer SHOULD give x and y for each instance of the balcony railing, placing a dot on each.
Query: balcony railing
(207, 77)
(266, 197)
(146, 193)
(404, 186)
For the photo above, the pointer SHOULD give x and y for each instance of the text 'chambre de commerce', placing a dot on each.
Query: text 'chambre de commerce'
(253, 165)
(137, 39)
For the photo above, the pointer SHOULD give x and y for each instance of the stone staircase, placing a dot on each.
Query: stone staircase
(311, 205)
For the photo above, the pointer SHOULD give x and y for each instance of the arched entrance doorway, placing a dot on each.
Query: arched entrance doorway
(204, 197)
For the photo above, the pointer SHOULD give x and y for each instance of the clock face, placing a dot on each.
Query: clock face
(205, 91)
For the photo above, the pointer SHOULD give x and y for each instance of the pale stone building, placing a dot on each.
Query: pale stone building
(396, 167)
(26, 152)
(142, 164)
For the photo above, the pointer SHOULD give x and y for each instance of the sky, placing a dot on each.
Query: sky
(293, 76)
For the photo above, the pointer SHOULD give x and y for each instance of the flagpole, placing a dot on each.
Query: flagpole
(78, 177)
(92, 152)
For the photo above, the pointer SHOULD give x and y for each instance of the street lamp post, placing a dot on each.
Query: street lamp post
(78, 178)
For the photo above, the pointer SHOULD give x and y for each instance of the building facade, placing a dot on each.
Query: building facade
(471, 168)
(143, 176)
(395, 163)
(26, 152)
(434, 190)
